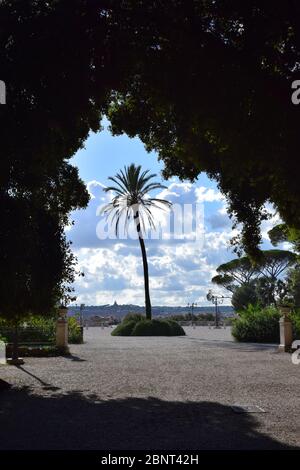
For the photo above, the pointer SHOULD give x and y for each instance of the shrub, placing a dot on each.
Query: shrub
(144, 327)
(75, 332)
(124, 329)
(40, 330)
(228, 321)
(133, 317)
(34, 351)
(295, 317)
(152, 328)
(257, 325)
(37, 329)
(176, 329)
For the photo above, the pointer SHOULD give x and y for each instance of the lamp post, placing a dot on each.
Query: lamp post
(62, 330)
(81, 314)
(216, 300)
(192, 305)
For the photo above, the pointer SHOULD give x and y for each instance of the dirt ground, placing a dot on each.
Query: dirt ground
(153, 393)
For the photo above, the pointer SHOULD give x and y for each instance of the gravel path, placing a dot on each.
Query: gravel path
(152, 393)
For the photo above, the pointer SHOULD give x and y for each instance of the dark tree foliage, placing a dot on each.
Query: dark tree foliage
(37, 265)
(55, 86)
(235, 273)
(206, 84)
(225, 280)
(293, 285)
(282, 233)
(260, 283)
(244, 295)
(46, 60)
(210, 90)
(271, 291)
(274, 262)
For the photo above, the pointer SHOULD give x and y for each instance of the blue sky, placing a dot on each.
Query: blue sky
(180, 270)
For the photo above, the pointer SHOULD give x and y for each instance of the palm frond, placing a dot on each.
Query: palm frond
(151, 187)
(130, 199)
(117, 180)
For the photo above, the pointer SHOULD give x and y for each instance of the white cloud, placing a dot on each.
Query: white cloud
(95, 189)
(204, 194)
(180, 270)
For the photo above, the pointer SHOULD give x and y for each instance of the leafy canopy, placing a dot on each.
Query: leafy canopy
(235, 272)
(241, 271)
(210, 90)
(260, 283)
(206, 84)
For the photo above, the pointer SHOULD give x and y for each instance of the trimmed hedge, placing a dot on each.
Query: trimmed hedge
(257, 325)
(124, 329)
(34, 351)
(133, 317)
(40, 330)
(151, 328)
(176, 329)
(144, 327)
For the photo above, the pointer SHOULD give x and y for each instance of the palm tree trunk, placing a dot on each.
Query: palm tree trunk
(145, 266)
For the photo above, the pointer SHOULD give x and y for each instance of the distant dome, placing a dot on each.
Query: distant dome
(115, 303)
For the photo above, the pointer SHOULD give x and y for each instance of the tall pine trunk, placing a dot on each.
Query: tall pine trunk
(145, 266)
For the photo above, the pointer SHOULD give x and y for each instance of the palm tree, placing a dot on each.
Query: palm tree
(132, 202)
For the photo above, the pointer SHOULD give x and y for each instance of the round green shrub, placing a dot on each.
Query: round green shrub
(257, 325)
(143, 327)
(133, 317)
(124, 329)
(176, 329)
(151, 328)
(157, 328)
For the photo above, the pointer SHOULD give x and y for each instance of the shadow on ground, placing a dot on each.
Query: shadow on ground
(247, 347)
(76, 421)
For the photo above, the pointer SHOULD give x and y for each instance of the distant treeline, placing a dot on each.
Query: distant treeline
(193, 317)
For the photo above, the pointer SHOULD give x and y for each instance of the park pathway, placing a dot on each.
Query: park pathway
(152, 393)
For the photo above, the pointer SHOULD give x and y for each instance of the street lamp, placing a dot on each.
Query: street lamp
(81, 314)
(216, 300)
(192, 305)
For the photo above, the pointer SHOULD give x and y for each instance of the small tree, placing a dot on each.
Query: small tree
(131, 201)
(37, 265)
(260, 283)
(38, 272)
